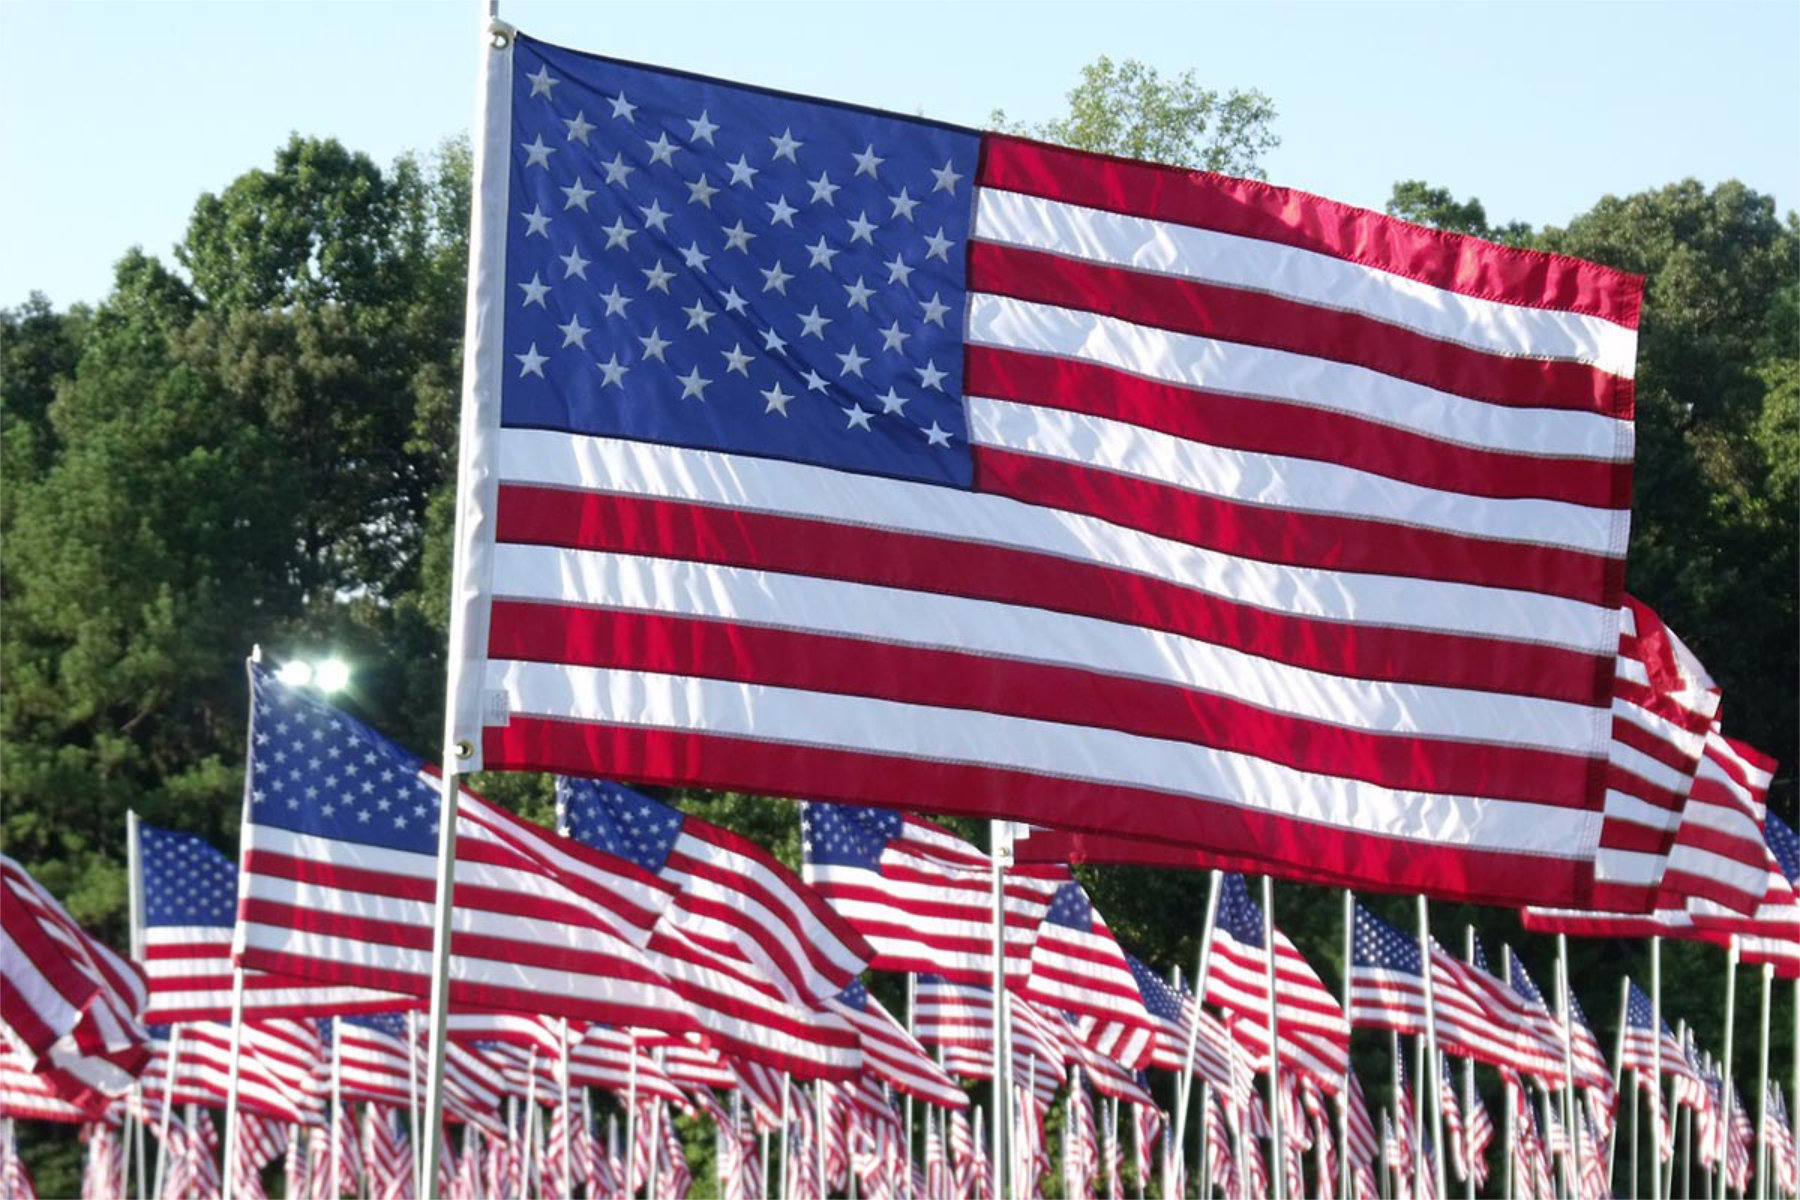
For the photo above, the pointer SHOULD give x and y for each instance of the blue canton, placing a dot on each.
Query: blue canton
(612, 817)
(392, 1024)
(1637, 1011)
(856, 996)
(703, 264)
(1376, 944)
(1784, 844)
(186, 881)
(318, 771)
(846, 835)
(1238, 914)
(1159, 997)
(1071, 908)
(1522, 984)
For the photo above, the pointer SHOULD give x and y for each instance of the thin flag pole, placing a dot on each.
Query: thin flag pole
(787, 1146)
(1725, 1097)
(1277, 1127)
(1634, 1137)
(337, 1106)
(1184, 1084)
(1762, 1085)
(1794, 1108)
(997, 850)
(1433, 1094)
(568, 1148)
(1343, 1115)
(912, 1000)
(1512, 1132)
(168, 1108)
(1568, 1024)
(412, 1087)
(1656, 1112)
(237, 972)
(819, 1117)
(1612, 1145)
(631, 1103)
(651, 1156)
(134, 1113)
(1666, 1098)
(1205, 1172)
(1468, 1082)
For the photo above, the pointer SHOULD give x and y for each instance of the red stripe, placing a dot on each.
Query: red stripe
(1302, 539)
(830, 550)
(736, 764)
(1248, 208)
(1268, 426)
(1261, 319)
(852, 666)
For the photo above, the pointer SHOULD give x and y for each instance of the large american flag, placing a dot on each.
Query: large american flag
(920, 895)
(811, 450)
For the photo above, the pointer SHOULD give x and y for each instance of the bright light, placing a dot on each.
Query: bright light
(295, 672)
(332, 675)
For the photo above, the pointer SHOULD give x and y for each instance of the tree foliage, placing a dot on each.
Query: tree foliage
(1416, 200)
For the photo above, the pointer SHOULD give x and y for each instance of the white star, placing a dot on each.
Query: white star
(734, 303)
(703, 129)
(898, 271)
(615, 301)
(893, 336)
(654, 346)
(578, 127)
(892, 401)
(938, 246)
(778, 400)
(785, 145)
(852, 362)
(573, 263)
(535, 291)
(654, 217)
(773, 342)
(930, 376)
(822, 254)
(904, 205)
(742, 172)
(618, 233)
(531, 362)
(738, 238)
(737, 360)
(781, 212)
(578, 195)
(862, 229)
(935, 310)
(813, 324)
(868, 161)
(623, 107)
(662, 150)
(693, 384)
(859, 417)
(618, 169)
(574, 333)
(536, 153)
(701, 192)
(859, 295)
(695, 257)
(815, 382)
(541, 83)
(823, 188)
(538, 222)
(775, 279)
(946, 177)
(699, 315)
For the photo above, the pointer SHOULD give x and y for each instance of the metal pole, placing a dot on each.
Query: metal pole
(819, 1117)
(1568, 1024)
(1434, 1093)
(1002, 1047)
(906, 1179)
(1468, 1099)
(1725, 1098)
(1277, 1127)
(631, 1104)
(1512, 1131)
(1343, 1122)
(412, 1087)
(1656, 1112)
(237, 974)
(337, 1104)
(1762, 1086)
(568, 1146)
(168, 1109)
(1205, 1173)
(787, 1147)
(1634, 1133)
(1612, 1145)
(1185, 1081)
(134, 874)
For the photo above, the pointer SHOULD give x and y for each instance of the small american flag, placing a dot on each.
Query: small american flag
(1077, 967)
(893, 1054)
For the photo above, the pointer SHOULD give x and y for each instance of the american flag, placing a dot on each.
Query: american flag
(1640, 1050)
(1146, 1130)
(102, 1169)
(1077, 967)
(280, 1067)
(1221, 1156)
(749, 948)
(388, 1154)
(340, 858)
(786, 416)
(1778, 1131)
(15, 1179)
(190, 901)
(1314, 1033)
(1081, 1143)
(192, 1172)
(68, 1005)
(892, 1053)
(1476, 1014)
(920, 895)
(965, 1168)
(1771, 933)
(937, 1164)
(28, 1096)
(1590, 1065)
(1174, 1016)
(375, 1059)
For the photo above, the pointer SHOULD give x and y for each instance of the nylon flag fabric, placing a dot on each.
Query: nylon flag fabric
(816, 451)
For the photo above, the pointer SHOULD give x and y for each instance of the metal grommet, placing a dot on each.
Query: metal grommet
(465, 750)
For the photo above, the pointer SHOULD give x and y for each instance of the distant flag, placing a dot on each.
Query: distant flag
(893, 1054)
(785, 418)
(1077, 967)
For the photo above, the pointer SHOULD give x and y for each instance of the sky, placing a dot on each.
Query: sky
(115, 117)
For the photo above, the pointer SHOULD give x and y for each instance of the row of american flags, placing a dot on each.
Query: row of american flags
(821, 452)
(639, 953)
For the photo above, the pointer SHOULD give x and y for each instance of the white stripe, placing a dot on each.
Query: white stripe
(1236, 369)
(1231, 260)
(1103, 756)
(1298, 485)
(1622, 806)
(804, 604)
(608, 466)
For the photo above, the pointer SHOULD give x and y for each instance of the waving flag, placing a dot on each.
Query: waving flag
(785, 418)
(1591, 1070)
(894, 1054)
(920, 895)
(1077, 967)
(1771, 932)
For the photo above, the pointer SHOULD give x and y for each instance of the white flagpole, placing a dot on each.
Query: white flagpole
(412, 1087)
(1612, 1145)
(1634, 1138)
(997, 850)
(134, 1113)
(1656, 1184)
(1794, 1107)
(1568, 1024)
(168, 1108)
(1763, 1190)
(906, 1179)
(1725, 1098)
(237, 972)
(1433, 1093)
(568, 1148)
(1185, 1082)
(1343, 1121)
(631, 1104)
(1468, 1082)
(819, 1117)
(337, 1104)
(1277, 1127)
(787, 1146)
(528, 1135)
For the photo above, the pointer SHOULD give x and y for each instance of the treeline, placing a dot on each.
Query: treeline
(253, 443)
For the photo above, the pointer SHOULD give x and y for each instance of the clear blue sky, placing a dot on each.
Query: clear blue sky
(114, 117)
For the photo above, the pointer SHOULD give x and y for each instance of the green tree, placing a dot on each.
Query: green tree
(1129, 109)
(1416, 200)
